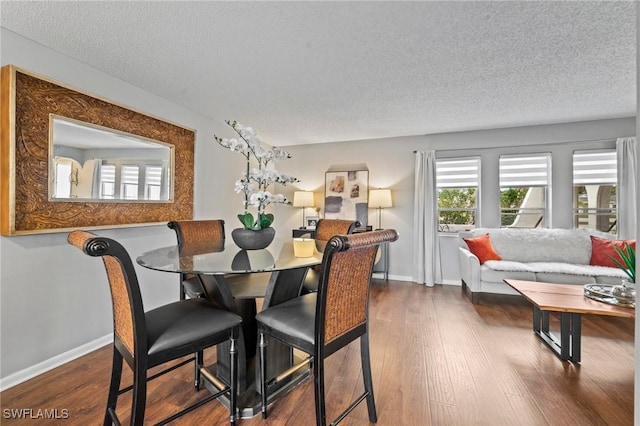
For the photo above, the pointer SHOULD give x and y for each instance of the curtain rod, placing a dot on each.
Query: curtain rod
(529, 145)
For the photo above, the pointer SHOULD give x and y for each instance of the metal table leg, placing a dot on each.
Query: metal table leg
(567, 344)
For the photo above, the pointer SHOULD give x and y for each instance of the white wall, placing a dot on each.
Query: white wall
(391, 165)
(53, 298)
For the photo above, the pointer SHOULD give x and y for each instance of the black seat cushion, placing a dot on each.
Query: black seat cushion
(186, 325)
(295, 317)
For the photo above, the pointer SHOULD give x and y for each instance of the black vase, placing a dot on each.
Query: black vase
(249, 239)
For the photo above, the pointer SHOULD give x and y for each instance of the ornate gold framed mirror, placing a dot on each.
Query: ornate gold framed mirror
(71, 160)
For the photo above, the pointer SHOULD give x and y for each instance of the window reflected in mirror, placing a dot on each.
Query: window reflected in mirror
(89, 162)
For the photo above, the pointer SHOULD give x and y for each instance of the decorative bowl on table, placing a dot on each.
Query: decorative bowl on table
(619, 295)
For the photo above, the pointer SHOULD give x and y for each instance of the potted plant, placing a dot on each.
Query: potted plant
(626, 260)
(254, 184)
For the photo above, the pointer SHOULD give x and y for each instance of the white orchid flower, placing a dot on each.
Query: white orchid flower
(253, 185)
(278, 198)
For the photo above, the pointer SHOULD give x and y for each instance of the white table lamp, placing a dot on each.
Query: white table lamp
(380, 199)
(303, 199)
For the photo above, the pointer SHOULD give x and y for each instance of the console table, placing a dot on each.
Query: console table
(302, 232)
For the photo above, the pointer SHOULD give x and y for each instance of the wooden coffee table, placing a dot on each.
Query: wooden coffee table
(570, 302)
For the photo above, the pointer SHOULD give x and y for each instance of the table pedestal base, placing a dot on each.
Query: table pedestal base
(249, 401)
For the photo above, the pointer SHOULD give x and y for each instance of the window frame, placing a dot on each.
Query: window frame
(475, 178)
(609, 178)
(517, 180)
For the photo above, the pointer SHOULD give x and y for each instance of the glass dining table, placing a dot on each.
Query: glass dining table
(235, 279)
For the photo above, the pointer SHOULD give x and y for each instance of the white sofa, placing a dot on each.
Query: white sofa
(547, 255)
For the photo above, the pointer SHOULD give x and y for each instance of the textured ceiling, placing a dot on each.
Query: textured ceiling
(305, 72)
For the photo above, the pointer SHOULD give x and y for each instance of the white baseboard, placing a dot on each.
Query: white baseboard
(451, 282)
(51, 363)
(380, 275)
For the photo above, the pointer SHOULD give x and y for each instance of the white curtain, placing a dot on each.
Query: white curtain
(95, 183)
(426, 253)
(627, 192)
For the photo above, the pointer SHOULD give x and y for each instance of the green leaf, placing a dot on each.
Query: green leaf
(628, 257)
(247, 220)
(265, 220)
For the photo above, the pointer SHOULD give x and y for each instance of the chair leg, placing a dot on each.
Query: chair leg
(366, 375)
(139, 392)
(263, 374)
(318, 387)
(233, 387)
(198, 364)
(114, 386)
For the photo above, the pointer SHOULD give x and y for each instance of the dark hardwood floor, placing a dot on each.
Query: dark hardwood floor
(437, 360)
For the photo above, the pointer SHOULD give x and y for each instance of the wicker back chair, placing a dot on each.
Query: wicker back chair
(148, 339)
(325, 229)
(197, 236)
(205, 236)
(325, 321)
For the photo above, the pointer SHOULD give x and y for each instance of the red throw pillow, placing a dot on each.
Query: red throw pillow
(481, 247)
(602, 251)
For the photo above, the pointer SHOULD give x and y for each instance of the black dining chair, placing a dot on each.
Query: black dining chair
(205, 236)
(322, 322)
(197, 236)
(167, 333)
(200, 236)
(325, 229)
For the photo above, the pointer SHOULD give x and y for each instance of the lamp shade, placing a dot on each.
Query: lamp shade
(303, 199)
(380, 198)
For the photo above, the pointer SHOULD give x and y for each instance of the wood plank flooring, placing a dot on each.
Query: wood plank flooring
(437, 360)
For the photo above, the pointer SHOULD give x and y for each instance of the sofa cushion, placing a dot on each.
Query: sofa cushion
(602, 251)
(607, 279)
(497, 270)
(540, 245)
(573, 269)
(551, 272)
(559, 278)
(567, 273)
(482, 248)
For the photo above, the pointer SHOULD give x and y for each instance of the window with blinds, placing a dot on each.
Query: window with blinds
(524, 190)
(594, 189)
(132, 181)
(107, 181)
(129, 181)
(153, 182)
(457, 183)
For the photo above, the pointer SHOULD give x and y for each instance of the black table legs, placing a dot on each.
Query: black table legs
(567, 344)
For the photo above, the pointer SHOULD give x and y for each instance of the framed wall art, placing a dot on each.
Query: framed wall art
(346, 193)
(312, 222)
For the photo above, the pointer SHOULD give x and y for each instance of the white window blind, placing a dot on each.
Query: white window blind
(130, 175)
(107, 173)
(521, 170)
(458, 173)
(130, 182)
(107, 181)
(595, 168)
(153, 176)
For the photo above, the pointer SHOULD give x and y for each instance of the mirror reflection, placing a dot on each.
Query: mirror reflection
(89, 162)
